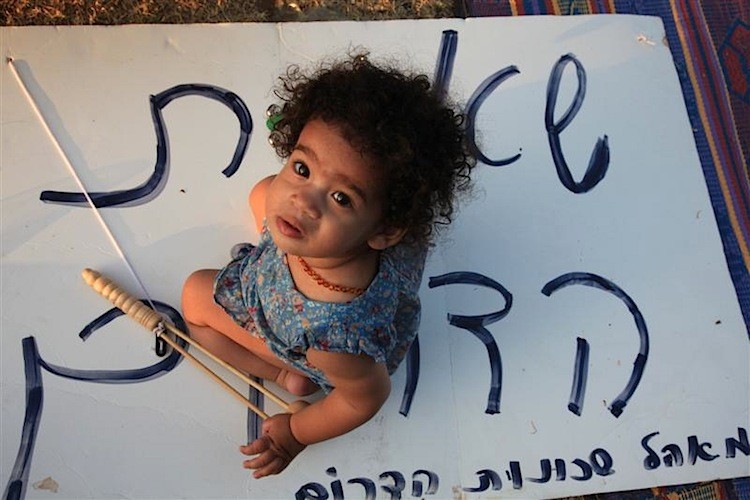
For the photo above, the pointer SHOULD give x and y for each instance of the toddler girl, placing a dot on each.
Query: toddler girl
(328, 298)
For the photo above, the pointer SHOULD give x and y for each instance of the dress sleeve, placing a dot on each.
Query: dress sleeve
(233, 281)
(406, 263)
(373, 323)
(366, 328)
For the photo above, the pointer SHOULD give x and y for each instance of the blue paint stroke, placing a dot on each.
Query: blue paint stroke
(417, 488)
(482, 92)
(587, 471)
(559, 469)
(412, 377)
(487, 478)
(515, 475)
(546, 469)
(698, 450)
(672, 455)
(605, 467)
(123, 376)
(33, 362)
(599, 160)
(399, 483)
(19, 477)
(336, 487)
(743, 444)
(477, 324)
(312, 491)
(580, 376)
(652, 460)
(254, 422)
(154, 185)
(592, 280)
(160, 347)
(369, 486)
(444, 65)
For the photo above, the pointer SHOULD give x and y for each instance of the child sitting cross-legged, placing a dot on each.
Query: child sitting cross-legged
(328, 299)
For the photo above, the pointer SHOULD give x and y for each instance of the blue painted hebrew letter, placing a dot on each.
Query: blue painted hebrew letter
(580, 376)
(472, 108)
(639, 364)
(412, 376)
(488, 478)
(441, 82)
(599, 160)
(417, 488)
(158, 179)
(477, 324)
(33, 363)
(444, 65)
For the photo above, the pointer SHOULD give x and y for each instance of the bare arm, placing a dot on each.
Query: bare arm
(257, 201)
(361, 386)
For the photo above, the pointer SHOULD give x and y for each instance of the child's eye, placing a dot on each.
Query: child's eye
(301, 169)
(342, 199)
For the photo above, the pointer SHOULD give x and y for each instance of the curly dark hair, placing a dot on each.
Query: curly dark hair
(394, 118)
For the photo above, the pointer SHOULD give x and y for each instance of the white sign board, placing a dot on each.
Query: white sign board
(595, 342)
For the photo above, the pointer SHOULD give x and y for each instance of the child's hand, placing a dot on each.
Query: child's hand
(275, 449)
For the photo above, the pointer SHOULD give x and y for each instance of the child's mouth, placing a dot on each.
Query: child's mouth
(287, 228)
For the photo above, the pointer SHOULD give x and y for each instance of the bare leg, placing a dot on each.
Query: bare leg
(215, 330)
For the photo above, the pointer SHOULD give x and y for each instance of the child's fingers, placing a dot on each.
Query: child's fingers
(261, 460)
(260, 445)
(276, 465)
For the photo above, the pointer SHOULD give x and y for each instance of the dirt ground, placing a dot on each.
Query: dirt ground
(109, 12)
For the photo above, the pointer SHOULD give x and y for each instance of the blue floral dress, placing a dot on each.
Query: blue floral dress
(256, 289)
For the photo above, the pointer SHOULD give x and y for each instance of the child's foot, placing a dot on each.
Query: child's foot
(296, 384)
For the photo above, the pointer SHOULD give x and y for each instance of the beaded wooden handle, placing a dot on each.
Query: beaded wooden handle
(128, 304)
(150, 319)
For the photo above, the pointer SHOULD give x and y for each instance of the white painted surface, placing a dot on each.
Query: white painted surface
(648, 227)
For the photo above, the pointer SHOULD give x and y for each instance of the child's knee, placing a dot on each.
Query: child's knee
(197, 295)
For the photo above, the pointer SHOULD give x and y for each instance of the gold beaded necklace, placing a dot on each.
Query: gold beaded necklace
(320, 280)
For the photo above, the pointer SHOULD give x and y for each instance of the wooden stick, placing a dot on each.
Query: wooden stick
(267, 392)
(151, 320)
(215, 377)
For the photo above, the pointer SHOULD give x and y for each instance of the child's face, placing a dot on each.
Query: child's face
(327, 201)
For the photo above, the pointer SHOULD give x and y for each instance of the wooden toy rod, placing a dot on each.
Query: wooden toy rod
(153, 321)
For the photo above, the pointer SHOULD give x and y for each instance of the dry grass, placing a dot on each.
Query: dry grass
(47, 12)
(108, 12)
(363, 9)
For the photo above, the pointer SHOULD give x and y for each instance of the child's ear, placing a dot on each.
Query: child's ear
(386, 237)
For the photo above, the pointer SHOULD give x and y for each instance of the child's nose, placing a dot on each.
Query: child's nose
(308, 202)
